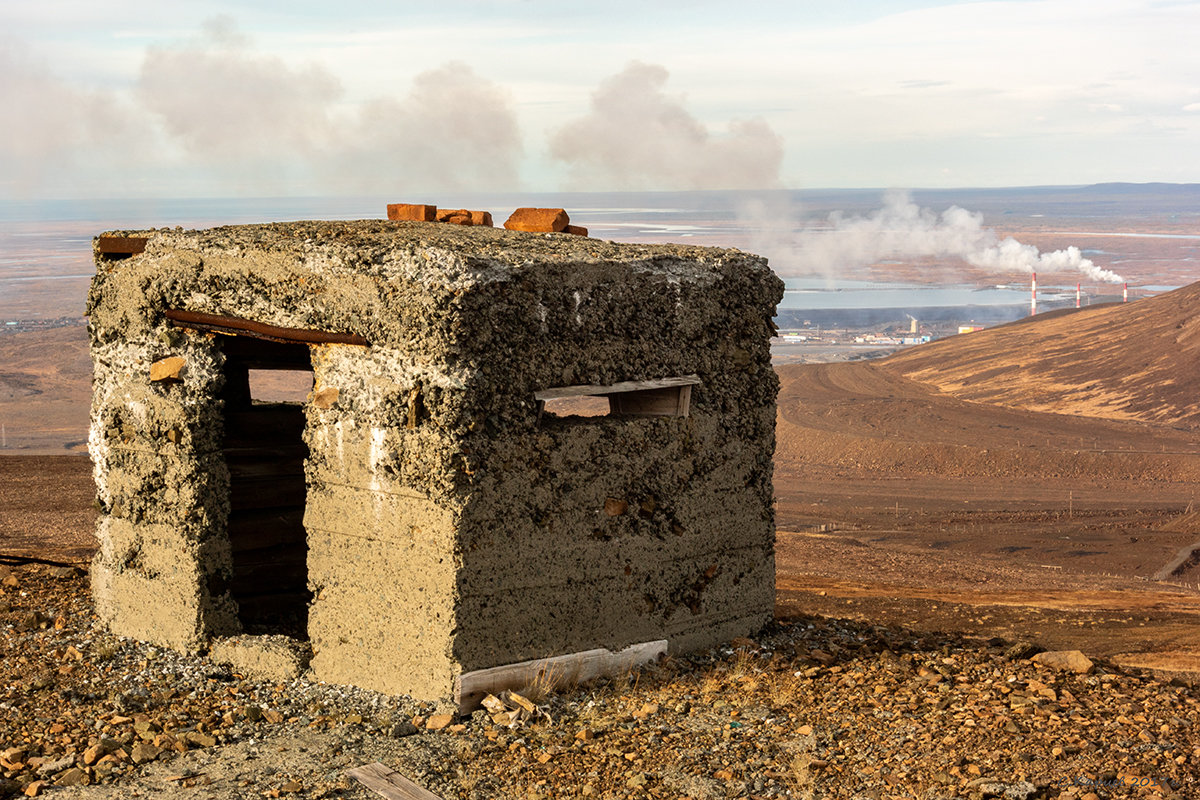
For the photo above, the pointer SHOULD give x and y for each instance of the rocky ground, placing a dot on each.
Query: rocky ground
(917, 525)
(813, 707)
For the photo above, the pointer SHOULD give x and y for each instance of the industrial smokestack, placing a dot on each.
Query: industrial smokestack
(1033, 295)
(1078, 293)
(1125, 293)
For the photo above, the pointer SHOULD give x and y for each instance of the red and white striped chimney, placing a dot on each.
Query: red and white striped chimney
(1033, 296)
(1125, 294)
(1078, 293)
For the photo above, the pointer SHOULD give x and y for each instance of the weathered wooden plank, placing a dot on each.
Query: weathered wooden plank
(389, 784)
(280, 469)
(263, 425)
(121, 245)
(668, 402)
(266, 450)
(553, 672)
(247, 327)
(623, 386)
(247, 494)
(256, 530)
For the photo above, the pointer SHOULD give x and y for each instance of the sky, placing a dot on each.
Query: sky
(206, 98)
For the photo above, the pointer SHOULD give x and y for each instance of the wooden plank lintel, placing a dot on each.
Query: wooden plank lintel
(623, 386)
(389, 784)
(111, 245)
(553, 672)
(248, 327)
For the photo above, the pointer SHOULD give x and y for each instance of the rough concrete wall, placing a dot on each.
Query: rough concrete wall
(163, 563)
(449, 529)
(546, 568)
(381, 522)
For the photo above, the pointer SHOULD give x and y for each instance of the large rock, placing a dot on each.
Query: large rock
(1065, 661)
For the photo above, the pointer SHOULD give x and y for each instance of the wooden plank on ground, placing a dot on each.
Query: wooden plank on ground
(554, 672)
(389, 783)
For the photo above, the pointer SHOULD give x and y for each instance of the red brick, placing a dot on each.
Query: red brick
(456, 217)
(463, 216)
(575, 229)
(538, 220)
(411, 211)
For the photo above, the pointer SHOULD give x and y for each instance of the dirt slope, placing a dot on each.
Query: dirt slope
(1025, 481)
(866, 416)
(45, 390)
(46, 508)
(1135, 361)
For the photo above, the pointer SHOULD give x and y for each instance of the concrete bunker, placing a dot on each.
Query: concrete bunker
(421, 518)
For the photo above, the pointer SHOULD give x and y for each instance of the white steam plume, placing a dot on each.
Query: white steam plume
(901, 229)
(243, 113)
(220, 100)
(638, 137)
(215, 115)
(54, 132)
(454, 130)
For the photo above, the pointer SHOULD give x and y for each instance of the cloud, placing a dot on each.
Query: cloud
(219, 100)
(213, 114)
(638, 137)
(260, 121)
(454, 130)
(923, 84)
(53, 132)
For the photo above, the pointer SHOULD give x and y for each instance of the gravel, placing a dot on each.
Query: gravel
(813, 707)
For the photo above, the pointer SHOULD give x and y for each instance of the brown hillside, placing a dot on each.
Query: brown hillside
(1136, 361)
(45, 390)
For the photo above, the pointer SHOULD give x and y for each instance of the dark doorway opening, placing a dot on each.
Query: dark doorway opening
(265, 451)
